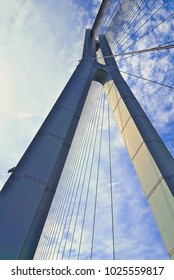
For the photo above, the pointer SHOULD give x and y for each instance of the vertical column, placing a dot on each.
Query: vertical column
(152, 161)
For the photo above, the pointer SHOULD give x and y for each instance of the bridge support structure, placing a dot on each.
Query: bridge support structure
(26, 197)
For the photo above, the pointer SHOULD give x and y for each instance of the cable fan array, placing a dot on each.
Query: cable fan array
(74, 228)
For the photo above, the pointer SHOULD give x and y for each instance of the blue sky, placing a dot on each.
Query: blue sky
(41, 43)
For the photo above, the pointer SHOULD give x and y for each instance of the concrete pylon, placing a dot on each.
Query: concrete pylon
(26, 197)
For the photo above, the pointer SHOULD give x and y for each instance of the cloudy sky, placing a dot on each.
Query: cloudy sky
(41, 43)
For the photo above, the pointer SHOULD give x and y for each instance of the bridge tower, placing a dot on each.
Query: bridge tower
(26, 197)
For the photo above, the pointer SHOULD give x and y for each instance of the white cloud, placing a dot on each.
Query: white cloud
(23, 115)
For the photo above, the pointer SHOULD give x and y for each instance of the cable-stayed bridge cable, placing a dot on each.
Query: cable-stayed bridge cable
(148, 80)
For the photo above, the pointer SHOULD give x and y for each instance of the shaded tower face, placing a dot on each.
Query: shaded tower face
(26, 197)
